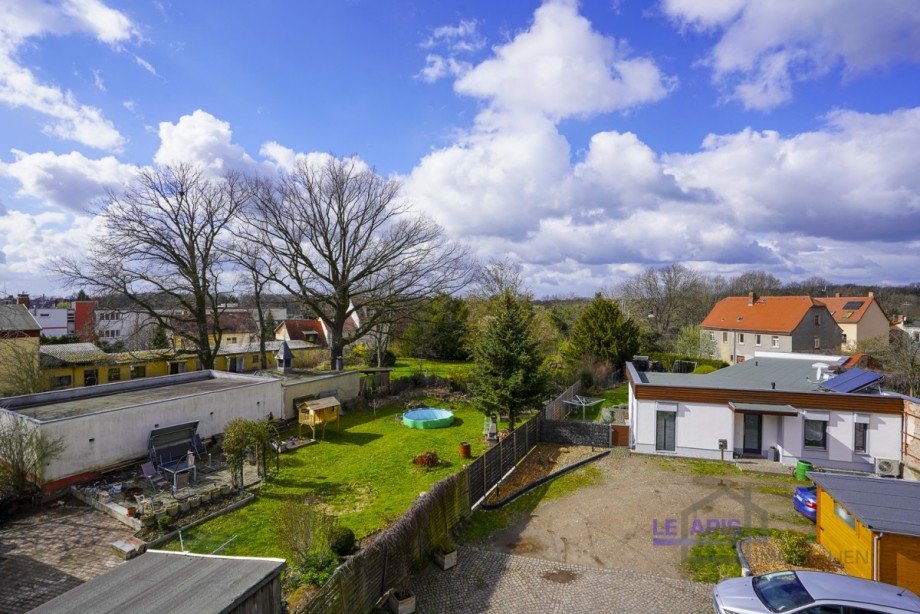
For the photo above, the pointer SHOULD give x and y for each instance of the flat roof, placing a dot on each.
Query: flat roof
(885, 505)
(758, 373)
(159, 582)
(56, 405)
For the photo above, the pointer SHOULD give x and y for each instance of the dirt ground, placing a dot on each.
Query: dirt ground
(544, 459)
(640, 499)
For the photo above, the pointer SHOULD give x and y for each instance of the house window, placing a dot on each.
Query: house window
(60, 382)
(843, 338)
(740, 337)
(176, 368)
(114, 374)
(757, 340)
(111, 332)
(861, 443)
(844, 515)
(817, 342)
(665, 424)
(775, 341)
(138, 371)
(817, 319)
(724, 337)
(231, 339)
(90, 377)
(816, 434)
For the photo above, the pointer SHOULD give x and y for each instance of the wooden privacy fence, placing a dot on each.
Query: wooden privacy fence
(558, 409)
(359, 583)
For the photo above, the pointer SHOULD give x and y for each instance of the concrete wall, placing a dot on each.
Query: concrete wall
(120, 435)
(343, 385)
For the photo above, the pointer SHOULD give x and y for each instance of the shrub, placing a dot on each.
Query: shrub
(342, 540)
(388, 358)
(315, 569)
(703, 370)
(586, 379)
(303, 531)
(427, 459)
(165, 523)
(794, 547)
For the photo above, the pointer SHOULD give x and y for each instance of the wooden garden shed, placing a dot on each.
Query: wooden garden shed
(871, 525)
(319, 412)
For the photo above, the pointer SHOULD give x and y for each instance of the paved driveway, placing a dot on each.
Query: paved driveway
(488, 581)
(49, 552)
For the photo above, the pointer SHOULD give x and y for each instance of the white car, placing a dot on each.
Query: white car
(811, 592)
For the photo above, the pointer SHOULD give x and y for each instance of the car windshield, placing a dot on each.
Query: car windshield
(781, 591)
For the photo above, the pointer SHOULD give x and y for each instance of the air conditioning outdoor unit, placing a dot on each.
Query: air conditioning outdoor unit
(887, 467)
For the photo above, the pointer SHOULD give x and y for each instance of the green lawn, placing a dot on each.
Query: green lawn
(613, 396)
(406, 367)
(364, 475)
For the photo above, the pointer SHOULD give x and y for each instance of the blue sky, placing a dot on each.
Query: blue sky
(572, 138)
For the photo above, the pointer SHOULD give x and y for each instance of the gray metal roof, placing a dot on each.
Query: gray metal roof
(16, 318)
(160, 582)
(885, 505)
(760, 373)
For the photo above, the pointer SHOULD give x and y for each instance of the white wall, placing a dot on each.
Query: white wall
(698, 428)
(344, 386)
(884, 441)
(121, 435)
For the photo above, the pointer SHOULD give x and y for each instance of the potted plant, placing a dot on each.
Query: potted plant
(194, 501)
(183, 506)
(224, 490)
(205, 495)
(173, 509)
(148, 520)
(445, 554)
(159, 510)
(402, 601)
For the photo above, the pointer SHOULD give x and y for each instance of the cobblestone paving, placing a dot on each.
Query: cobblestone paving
(486, 581)
(49, 552)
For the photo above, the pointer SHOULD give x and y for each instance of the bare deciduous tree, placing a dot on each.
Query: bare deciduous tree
(163, 243)
(25, 452)
(255, 267)
(670, 297)
(342, 241)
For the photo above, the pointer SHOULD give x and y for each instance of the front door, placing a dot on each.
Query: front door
(752, 426)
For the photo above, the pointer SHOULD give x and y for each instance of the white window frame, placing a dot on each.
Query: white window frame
(724, 336)
(740, 338)
(758, 340)
(775, 341)
(817, 342)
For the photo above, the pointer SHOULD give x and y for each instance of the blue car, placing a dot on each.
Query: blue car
(805, 502)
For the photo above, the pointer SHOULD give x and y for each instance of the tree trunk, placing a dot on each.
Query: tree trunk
(257, 295)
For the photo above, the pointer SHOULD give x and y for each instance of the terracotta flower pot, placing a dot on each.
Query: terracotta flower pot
(465, 450)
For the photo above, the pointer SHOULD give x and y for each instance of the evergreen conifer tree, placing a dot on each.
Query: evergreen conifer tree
(508, 374)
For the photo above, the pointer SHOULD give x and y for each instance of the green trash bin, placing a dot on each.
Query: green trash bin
(801, 470)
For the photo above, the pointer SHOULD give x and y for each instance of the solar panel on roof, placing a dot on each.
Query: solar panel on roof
(853, 305)
(852, 380)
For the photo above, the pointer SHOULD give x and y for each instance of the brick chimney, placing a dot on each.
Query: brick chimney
(871, 294)
(752, 298)
(23, 299)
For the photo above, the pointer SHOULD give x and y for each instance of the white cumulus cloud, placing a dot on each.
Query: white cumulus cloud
(22, 20)
(766, 46)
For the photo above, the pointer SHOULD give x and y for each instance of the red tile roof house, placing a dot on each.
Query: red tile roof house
(779, 406)
(860, 317)
(315, 331)
(741, 325)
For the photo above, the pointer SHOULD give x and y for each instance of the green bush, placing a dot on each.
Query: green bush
(794, 547)
(165, 523)
(667, 360)
(342, 540)
(587, 380)
(703, 370)
(388, 358)
(315, 569)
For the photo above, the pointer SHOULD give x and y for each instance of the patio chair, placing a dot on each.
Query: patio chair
(156, 480)
(181, 482)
